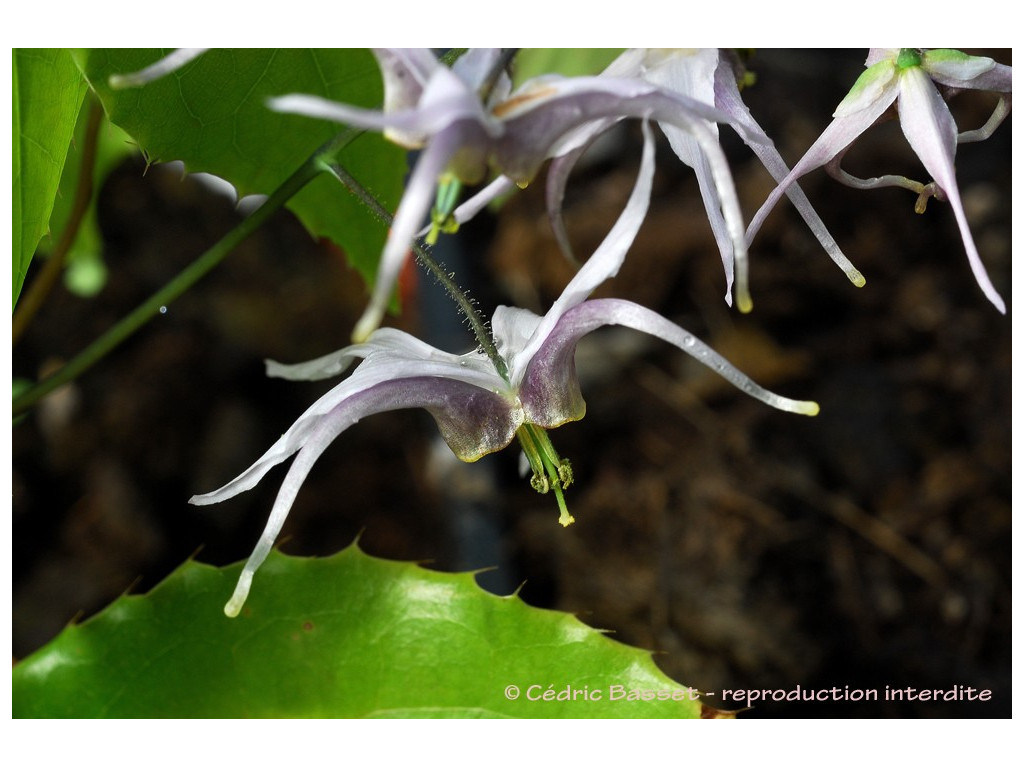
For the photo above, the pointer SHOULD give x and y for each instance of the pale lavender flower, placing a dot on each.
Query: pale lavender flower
(477, 409)
(441, 110)
(916, 81)
(709, 76)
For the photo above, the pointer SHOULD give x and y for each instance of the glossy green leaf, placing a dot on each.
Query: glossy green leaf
(47, 94)
(345, 636)
(212, 115)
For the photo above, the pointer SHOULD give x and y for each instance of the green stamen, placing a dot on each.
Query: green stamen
(550, 471)
(441, 219)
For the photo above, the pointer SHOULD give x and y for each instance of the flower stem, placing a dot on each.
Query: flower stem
(185, 279)
(425, 260)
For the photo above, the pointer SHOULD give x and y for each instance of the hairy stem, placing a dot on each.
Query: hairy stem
(309, 170)
(423, 257)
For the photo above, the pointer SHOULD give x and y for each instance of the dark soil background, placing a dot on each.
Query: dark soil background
(868, 547)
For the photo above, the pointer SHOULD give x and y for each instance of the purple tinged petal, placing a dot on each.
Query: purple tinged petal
(712, 207)
(998, 79)
(445, 100)
(473, 421)
(418, 197)
(728, 99)
(390, 355)
(567, 153)
(840, 133)
(406, 72)
(603, 264)
(931, 131)
(558, 177)
(693, 75)
(474, 65)
(542, 114)
(550, 391)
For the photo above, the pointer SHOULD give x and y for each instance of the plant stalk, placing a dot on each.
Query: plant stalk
(36, 294)
(423, 257)
(185, 279)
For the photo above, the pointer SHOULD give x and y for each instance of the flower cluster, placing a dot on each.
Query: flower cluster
(468, 122)
(479, 408)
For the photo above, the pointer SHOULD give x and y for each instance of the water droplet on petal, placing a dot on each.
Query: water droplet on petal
(687, 341)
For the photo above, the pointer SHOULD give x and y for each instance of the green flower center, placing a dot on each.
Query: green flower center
(907, 58)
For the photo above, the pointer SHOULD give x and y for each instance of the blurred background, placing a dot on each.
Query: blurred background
(867, 547)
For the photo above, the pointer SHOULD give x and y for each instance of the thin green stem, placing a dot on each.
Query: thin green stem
(35, 296)
(423, 257)
(102, 346)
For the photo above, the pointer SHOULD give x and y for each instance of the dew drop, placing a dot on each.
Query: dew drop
(687, 341)
(163, 310)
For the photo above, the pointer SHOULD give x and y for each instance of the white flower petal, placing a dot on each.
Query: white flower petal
(950, 65)
(416, 202)
(406, 72)
(550, 390)
(727, 99)
(474, 422)
(931, 131)
(840, 133)
(603, 264)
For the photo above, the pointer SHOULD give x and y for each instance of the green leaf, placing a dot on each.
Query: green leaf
(86, 271)
(212, 115)
(48, 91)
(345, 636)
(571, 62)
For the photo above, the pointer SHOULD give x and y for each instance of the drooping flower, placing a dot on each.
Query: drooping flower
(464, 132)
(916, 81)
(708, 75)
(479, 407)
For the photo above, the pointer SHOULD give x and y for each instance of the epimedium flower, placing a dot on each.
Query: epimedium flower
(918, 82)
(708, 75)
(480, 404)
(465, 121)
